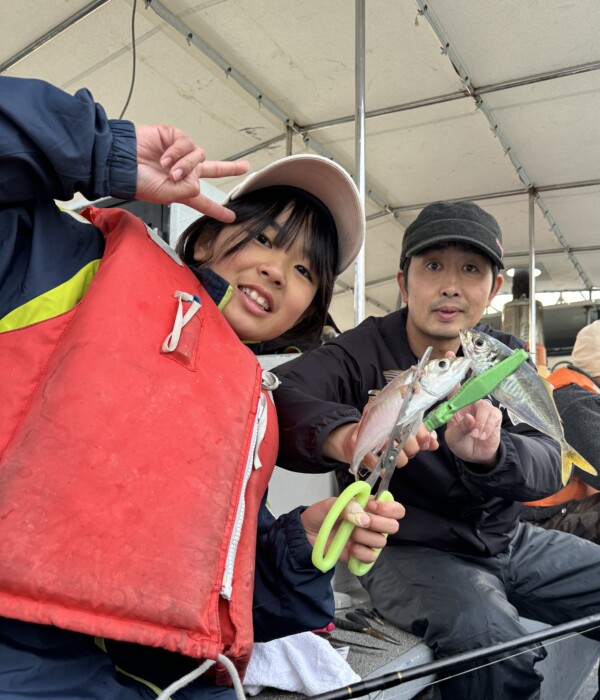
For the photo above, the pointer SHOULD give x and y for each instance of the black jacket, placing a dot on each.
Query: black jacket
(448, 506)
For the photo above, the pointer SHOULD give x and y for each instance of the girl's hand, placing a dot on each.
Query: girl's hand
(170, 166)
(378, 518)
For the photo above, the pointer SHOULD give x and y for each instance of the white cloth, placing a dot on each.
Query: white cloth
(303, 663)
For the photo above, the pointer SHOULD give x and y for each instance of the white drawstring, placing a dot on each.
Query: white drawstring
(197, 672)
(269, 383)
(172, 340)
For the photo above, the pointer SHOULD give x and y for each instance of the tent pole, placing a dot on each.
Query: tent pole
(359, 59)
(532, 305)
(51, 34)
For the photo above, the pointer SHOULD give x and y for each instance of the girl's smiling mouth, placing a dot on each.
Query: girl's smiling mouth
(256, 297)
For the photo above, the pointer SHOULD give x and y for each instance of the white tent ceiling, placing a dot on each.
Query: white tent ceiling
(465, 99)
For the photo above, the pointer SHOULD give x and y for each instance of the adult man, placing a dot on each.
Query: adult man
(576, 507)
(464, 568)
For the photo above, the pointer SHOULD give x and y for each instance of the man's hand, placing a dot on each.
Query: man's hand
(473, 434)
(340, 443)
(170, 166)
(378, 518)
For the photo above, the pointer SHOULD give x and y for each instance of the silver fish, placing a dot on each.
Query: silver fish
(438, 379)
(526, 396)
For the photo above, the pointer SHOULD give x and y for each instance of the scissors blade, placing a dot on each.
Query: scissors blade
(392, 455)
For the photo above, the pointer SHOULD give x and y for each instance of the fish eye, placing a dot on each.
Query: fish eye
(442, 364)
(479, 342)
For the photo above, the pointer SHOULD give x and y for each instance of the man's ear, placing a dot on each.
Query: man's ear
(495, 289)
(401, 278)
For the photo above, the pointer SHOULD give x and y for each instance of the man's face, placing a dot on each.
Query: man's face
(447, 289)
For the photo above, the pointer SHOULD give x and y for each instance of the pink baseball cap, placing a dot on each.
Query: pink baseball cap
(329, 183)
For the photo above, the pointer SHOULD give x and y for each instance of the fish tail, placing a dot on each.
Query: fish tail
(571, 456)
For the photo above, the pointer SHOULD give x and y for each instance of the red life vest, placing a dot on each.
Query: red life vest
(129, 488)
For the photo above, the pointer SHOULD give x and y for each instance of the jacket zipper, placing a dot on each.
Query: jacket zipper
(252, 462)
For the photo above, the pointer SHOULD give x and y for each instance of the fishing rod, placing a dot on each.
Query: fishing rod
(389, 680)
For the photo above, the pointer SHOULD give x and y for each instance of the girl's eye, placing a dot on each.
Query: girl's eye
(304, 271)
(263, 239)
(433, 266)
(471, 268)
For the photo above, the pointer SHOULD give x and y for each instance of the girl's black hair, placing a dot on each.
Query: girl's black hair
(255, 212)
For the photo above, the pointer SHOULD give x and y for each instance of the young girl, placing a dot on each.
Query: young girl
(136, 433)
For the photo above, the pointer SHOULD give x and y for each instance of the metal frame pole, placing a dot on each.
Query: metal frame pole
(532, 304)
(359, 265)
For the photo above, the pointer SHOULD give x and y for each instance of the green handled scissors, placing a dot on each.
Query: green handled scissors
(361, 490)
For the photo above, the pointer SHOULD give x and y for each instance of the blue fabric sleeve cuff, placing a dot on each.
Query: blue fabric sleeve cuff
(122, 160)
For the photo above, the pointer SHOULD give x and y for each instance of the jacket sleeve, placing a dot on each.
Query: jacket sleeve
(319, 392)
(529, 466)
(53, 145)
(290, 595)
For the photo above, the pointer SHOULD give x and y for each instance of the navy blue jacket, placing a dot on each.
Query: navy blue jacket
(53, 145)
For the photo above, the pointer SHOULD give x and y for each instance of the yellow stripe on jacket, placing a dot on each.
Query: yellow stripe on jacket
(53, 302)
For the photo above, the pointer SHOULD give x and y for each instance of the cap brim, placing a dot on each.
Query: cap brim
(326, 180)
(453, 232)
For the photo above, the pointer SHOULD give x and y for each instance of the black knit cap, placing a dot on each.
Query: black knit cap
(453, 222)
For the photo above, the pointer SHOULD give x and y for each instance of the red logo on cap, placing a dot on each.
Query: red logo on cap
(500, 246)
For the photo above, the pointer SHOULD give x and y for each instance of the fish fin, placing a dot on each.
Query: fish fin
(356, 464)
(570, 456)
(418, 419)
(391, 374)
(514, 418)
(378, 449)
(372, 395)
(549, 388)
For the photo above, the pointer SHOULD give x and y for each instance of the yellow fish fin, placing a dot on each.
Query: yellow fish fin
(571, 456)
(549, 388)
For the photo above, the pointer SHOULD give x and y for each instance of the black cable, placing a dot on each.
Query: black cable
(133, 60)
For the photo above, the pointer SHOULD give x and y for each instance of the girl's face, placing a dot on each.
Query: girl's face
(272, 287)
